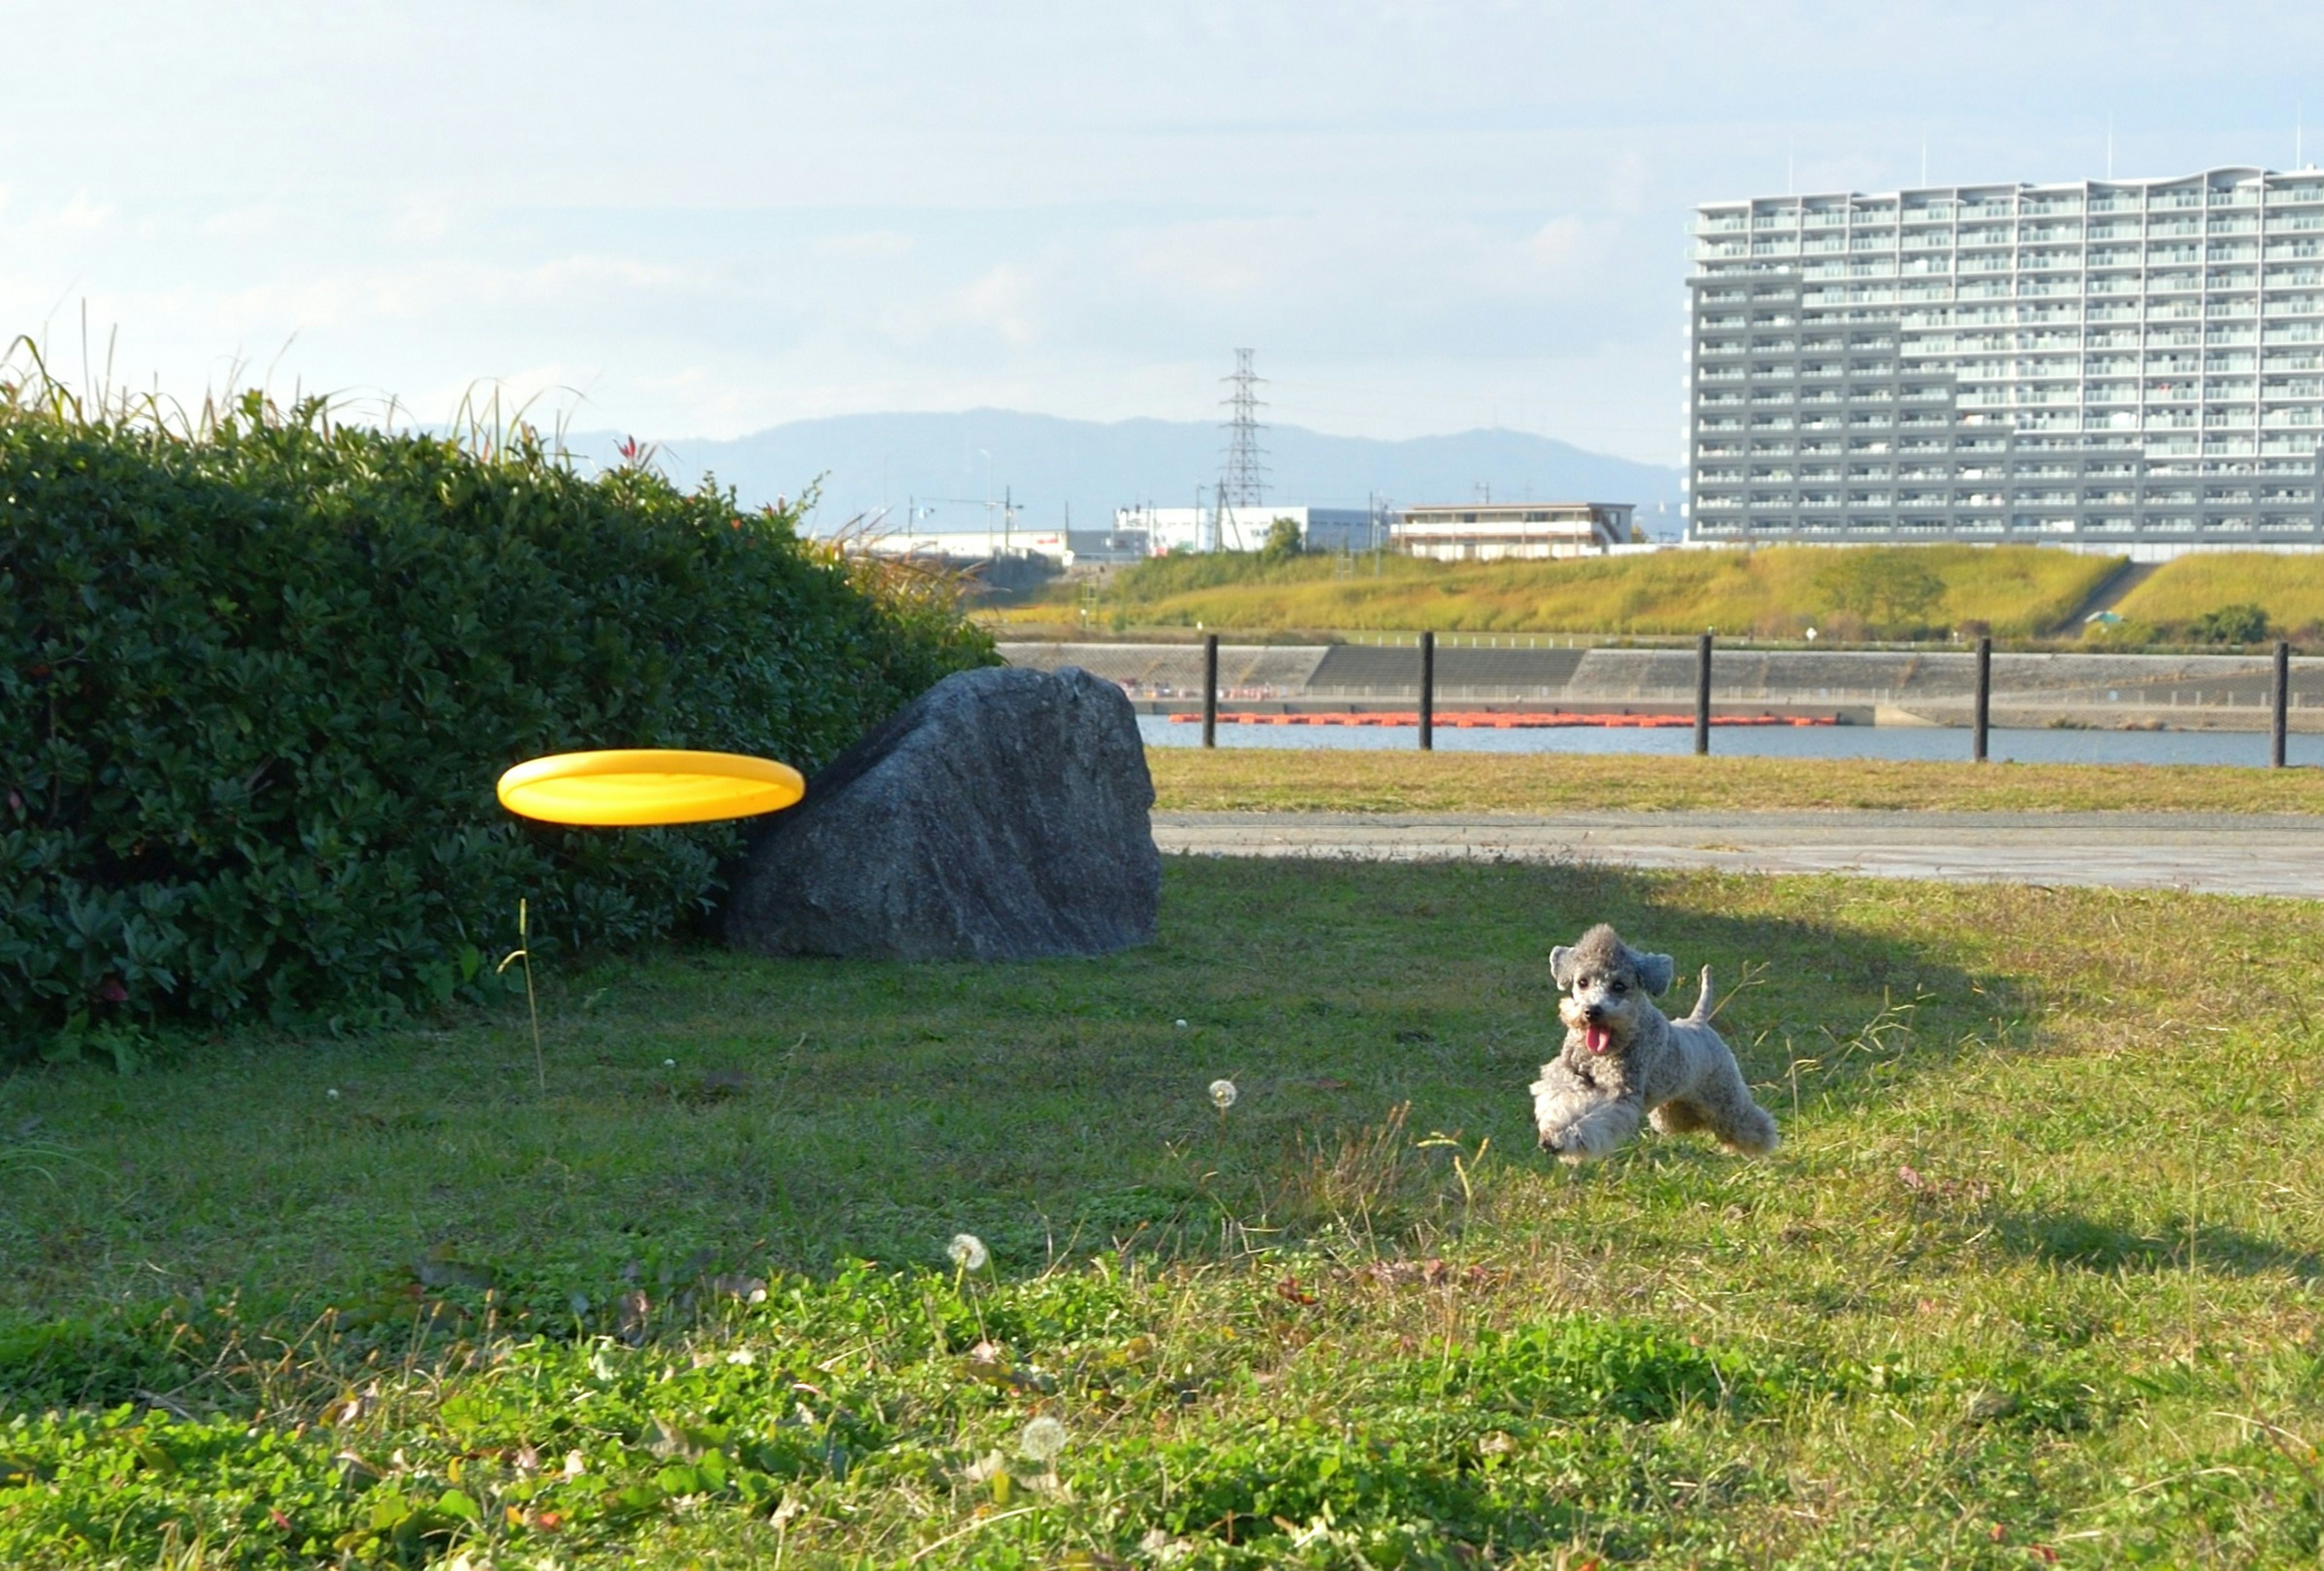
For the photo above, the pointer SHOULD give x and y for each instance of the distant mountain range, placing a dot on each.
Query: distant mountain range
(948, 465)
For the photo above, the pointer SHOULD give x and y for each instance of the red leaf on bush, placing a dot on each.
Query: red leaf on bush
(280, 1521)
(112, 992)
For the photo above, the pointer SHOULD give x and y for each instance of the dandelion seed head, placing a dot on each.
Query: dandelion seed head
(669, 1063)
(1043, 1440)
(1179, 1023)
(1223, 1095)
(332, 1092)
(967, 1251)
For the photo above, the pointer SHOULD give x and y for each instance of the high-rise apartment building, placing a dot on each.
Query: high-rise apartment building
(2133, 366)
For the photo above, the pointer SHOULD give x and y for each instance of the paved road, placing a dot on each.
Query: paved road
(2218, 853)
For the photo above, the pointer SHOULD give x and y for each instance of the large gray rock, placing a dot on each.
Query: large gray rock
(1002, 816)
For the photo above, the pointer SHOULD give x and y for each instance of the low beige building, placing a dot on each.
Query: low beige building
(1483, 531)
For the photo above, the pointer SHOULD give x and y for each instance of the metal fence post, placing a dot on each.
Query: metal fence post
(1210, 689)
(1984, 693)
(2282, 704)
(1703, 696)
(1428, 692)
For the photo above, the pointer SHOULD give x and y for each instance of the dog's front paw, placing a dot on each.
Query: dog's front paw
(1566, 1145)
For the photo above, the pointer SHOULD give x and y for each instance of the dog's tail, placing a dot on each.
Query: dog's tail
(1702, 1014)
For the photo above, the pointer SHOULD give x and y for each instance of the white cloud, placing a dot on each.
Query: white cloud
(867, 245)
(81, 216)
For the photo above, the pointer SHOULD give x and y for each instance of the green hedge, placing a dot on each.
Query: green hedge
(256, 686)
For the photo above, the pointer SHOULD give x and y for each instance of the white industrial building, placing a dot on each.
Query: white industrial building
(1484, 531)
(970, 544)
(2127, 367)
(1175, 531)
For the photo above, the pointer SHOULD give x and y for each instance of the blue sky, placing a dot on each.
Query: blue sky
(702, 219)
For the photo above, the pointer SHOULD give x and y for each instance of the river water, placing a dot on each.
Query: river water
(1900, 742)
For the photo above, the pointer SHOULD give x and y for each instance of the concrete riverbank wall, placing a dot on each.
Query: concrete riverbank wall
(1885, 688)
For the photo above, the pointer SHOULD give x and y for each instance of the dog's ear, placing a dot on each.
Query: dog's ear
(1561, 965)
(1655, 971)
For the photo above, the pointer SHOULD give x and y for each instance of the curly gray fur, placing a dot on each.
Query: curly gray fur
(1625, 1062)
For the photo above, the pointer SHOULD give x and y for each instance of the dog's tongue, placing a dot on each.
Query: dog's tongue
(1595, 1038)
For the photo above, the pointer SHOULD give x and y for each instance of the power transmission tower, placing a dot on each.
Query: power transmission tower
(1243, 482)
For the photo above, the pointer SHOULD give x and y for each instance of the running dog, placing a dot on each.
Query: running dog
(1624, 1060)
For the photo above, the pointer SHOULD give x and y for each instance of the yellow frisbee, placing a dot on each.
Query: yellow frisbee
(649, 785)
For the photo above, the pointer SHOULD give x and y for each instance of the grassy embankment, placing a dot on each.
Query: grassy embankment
(2032, 1281)
(2289, 589)
(1777, 592)
(1771, 593)
(1299, 780)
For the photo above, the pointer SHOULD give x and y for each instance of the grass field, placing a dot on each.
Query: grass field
(2035, 1280)
(2289, 589)
(1775, 592)
(1301, 779)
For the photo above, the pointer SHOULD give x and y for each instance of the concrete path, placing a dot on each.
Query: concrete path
(2212, 854)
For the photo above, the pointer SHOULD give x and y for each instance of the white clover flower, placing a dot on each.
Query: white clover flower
(1179, 1023)
(1223, 1095)
(1043, 1440)
(333, 1093)
(669, 1063)
(967, 1251)
(744, 1356)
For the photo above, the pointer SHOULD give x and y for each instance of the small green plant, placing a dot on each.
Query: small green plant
(523, 951)
(1892, 589)
(2244, 623)
(1283, 541)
